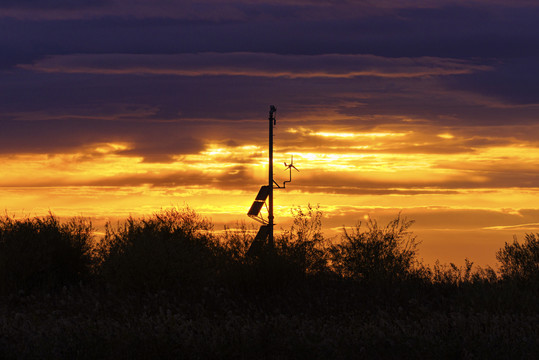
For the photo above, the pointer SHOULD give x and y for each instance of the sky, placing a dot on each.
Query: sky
(111, 108)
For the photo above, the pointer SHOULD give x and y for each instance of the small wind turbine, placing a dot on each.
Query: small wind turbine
(291, 165)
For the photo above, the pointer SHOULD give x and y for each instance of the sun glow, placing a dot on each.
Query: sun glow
(107, 180)
(357, 135)
(346, 135)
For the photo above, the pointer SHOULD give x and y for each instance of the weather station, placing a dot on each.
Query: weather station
(264, 198)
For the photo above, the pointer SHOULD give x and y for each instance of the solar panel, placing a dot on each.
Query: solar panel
(261, 197)
(263, 193)
(255, 208)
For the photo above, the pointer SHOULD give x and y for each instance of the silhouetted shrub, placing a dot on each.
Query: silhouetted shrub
(41, 252)
(520, 261)
(376, 254)
(169, 249)
(304, 246)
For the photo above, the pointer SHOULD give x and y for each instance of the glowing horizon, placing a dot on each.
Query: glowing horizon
(102, 182)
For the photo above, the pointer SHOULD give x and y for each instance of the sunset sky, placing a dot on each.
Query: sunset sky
(118, 107)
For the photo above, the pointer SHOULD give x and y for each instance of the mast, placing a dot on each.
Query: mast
(272, 122)
(264, 237)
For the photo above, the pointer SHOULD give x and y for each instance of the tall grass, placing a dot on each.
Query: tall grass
(169, 286)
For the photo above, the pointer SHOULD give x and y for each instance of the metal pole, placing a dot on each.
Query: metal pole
(270, 176)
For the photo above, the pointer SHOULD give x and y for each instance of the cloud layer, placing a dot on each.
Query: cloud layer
(257, 64)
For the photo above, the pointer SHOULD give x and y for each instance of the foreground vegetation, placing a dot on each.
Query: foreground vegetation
(169, 286)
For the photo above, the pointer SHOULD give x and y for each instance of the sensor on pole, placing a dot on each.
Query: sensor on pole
(265, 233)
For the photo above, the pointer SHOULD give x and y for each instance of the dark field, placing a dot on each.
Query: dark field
(168, 287)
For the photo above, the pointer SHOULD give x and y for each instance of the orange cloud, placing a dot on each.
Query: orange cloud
(257, 64)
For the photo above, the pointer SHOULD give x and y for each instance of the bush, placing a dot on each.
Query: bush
(520, 261)
(41, 252)
(171, 248)
(304, 246)
(376, 254)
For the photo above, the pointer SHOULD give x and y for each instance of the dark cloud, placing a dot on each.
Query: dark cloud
(267, 9)
(234, 178)
(155, 142)
(448, 32)
(514, 82)
(52, 4)
(48, 111)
